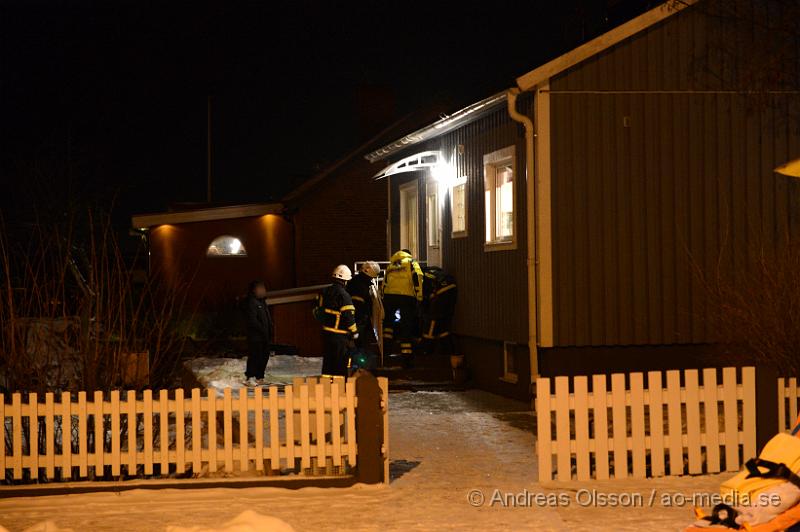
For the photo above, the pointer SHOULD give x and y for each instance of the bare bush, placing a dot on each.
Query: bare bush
(72, 316)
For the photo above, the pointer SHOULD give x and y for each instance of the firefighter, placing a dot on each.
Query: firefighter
(440, 304)
(402, 294)
(363, 292)
(336, 312)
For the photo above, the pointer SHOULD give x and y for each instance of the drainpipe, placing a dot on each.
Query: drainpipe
(530, 216)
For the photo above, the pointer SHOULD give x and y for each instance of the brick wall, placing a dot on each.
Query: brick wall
(341, 220)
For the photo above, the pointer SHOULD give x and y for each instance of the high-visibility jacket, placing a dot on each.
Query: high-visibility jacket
(403, 276)
(335, 310)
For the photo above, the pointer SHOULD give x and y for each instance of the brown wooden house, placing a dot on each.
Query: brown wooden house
(576, 208)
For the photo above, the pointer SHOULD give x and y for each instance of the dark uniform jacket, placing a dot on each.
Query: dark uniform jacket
(335, 310)
(259, 321)
(359, 289)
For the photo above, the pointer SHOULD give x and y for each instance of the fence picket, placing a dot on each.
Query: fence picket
(336, 433)
(163, 432)
(383, 382)
(350, 390)
(749, 412)
(638, 453)
(258, 412)
(600, 410)
(148, 431)
(711, 409)
(674, 422)
(227, 428)
(83, 436)
(319, 410)
(66, 435)
(656, 410)
(197, 433)
(619, 424)
(693, 421)
(3, 442)
(304, 428)
(563, 458)
(731, 416)
(133, 431)
(792, 400)
(290, 429)
(99, 435)
(16, 427)
(274, 434)
(244, 432)
(180, 432)
(211, 400)
(33, 435)
(582, 428)
(50, 439)
(115, 433)
(543, 429)
(782, 393)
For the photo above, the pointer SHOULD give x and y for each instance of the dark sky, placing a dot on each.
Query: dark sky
(108, 99)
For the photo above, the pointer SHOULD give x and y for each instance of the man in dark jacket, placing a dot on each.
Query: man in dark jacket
(336, 313)
(362, 290)
(259, 333)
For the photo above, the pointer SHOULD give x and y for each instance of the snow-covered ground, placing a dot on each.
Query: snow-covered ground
(229, 372)
(444, 445)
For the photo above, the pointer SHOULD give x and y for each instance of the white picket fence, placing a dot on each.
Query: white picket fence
(308, 427)
(643, 430)
(788, 398)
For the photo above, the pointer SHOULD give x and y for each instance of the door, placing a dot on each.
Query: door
(409, 218)
(433, 225)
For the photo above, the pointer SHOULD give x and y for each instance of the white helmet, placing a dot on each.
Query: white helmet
(342, 272)
(371, 268)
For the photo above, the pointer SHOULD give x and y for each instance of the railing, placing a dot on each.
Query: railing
(308, 428)
(788, 397)
(707, 428)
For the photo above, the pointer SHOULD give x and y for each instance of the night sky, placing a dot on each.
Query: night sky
(103, 100)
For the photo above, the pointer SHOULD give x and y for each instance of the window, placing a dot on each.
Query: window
(458, 208)
(409, 228)
(509, 362)
(432, 210)
(226, 246)
(499, 181)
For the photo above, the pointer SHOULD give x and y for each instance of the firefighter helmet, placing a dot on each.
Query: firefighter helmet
(342, 272)
(371, 268)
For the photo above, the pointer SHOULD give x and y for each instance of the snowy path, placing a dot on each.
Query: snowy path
(442, 446)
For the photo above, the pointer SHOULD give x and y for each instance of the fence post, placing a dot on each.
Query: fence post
(766, 406)
(369, 430)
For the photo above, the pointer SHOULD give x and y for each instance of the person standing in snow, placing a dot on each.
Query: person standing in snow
(259, 333)
(363, 291)
(336, 313)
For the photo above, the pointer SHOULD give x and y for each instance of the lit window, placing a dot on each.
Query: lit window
(458, 208)
(498, 172)
(226, 246)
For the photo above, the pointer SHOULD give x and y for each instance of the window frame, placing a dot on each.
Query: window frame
(403, 192)
(437, 216)
(242, 255)
(491, 162)
(460, 182)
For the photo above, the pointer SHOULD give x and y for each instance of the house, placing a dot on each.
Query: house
(212, 254)
(577, 208)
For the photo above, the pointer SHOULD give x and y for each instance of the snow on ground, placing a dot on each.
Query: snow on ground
(443, 445)
(229, 372)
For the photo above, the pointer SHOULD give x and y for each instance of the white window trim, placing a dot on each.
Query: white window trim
(502, 156)
(459, 182)
(438, 212)
(508, 350)
(402, 191)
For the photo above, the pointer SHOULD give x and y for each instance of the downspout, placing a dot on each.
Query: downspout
(530, 216)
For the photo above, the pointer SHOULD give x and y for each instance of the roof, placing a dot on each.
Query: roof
(535, 77)
(145, 221)
(413, 119)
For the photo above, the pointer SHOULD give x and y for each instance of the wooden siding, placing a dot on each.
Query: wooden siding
(492, 286)
(659, 173)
